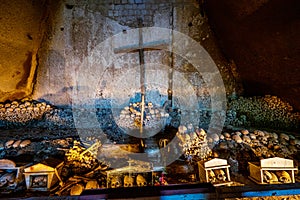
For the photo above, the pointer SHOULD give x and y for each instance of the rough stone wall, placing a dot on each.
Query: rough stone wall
(20, 37)
(78, 27)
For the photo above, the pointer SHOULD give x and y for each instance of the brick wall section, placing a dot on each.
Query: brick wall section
(127, 12)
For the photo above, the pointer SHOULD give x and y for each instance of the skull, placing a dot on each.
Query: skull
(269, 177)
(264, 140)
(116, 182)
(128, 181)
(255, 143)
(246, 139)
(187, 137)
(3, 182)
(220, 174)
(211, 176)
(190, 127)
(201, 134)
(141, 181)
(150, 105)
(182, 129)
(284, 177)
(92, 184)
(194, 136)
(7, 178)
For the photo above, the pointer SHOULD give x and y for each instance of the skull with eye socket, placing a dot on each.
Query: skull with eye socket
(116, 182)
(141, 181)
(201, 134)
(128, 181)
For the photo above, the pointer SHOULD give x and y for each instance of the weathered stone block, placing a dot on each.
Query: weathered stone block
(141, 6)
(138, 1)
(116, 13)
(128, 6)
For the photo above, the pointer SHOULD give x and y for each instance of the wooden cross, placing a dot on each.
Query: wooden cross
(141, 47)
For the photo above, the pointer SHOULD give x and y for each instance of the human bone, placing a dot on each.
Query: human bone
(223, 145)
(140, 180)
(215, 137)
(182, 129)
(7, 105)
(297, 142)
(201, 134)
(237, 138)
(275, 135)
(226, 135)
(193, 136)
(16, 144)
(252, 136)
(116, 182)
(9, 143)
(7, 178)
(27, 104)
(238, 133)
(220, 174)
(92, 184)
(284, 176)
(269, 177)
(255, 143)
(210, 140)
(246, 139)
(211, 176)
(76, 190)
(245, 132)
(25, 143)
(284, 136)
(128, 181)
(259, 133)
(9, 110)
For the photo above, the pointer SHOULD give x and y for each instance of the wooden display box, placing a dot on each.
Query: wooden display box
(137, 173)
(10, 166)
(42, 176)
(274, 165)
(214, 165)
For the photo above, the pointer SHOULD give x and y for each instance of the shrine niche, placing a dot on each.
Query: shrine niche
(42, 176)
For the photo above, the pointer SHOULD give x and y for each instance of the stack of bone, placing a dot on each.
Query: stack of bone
(238, 146)
(217, 176)
(268, 111)
(130, 116)
(80, 157)
(263, 144)
(23, 111)
(128, 180)
(276, 177)
(16, 143)
(81, 170)
(194, 143)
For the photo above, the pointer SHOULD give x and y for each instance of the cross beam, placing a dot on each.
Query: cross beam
(141, 47)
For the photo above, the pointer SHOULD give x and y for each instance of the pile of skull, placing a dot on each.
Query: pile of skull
(197, 145)
(216, 176)
(82, 170)
(23, 111)
(276, 177)
(129, 180)
(263, 144)
(130, 117)
(194, 142)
